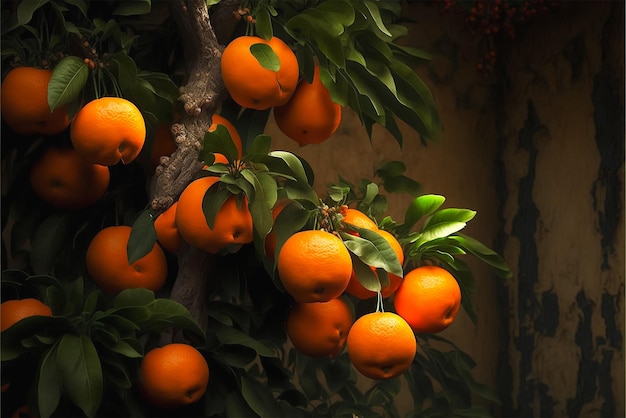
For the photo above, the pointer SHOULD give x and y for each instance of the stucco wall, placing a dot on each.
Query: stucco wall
(562, 136)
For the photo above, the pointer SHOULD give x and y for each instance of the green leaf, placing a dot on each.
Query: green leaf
(375, 14)
(265, 193)
(485, 254)
(440, 230)
(212, 201)
(232, 336)
(220, 141)
(26, 9)
(79, 366)
(420, 207)
(294, 164)
(68, 80)
(124, 349)
(176, 314)
(390, 169)
(48, 384)
(397, 184)
(133, 7)
(266, 56)
(373, 250)
(45, 246)
(449, 215)
(263, 23)
(142, 238)
(133, 297)
(364, 274)
(259, 398)
(12, 337)
(261, 145)
(415, 95)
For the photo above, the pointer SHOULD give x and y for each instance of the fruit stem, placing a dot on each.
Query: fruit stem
(379, 303)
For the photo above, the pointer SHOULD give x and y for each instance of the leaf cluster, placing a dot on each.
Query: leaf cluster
(92, 345)
(357, 45)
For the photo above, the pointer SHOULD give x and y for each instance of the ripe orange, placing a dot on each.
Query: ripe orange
(13, 311)
(166, 230)
(249, 83)
(232, 226)
(359, 219)
(320, 329)
(220, 120)
(24, 101)
(381, 345)
(162, 144)
(310, 116)
(174, 375)
(107, 263)
(108, 130)
(314, 266)
(428, 299)
(356, 289)
(65, 180)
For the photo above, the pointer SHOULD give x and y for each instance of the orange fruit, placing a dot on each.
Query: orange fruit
(314, 266)
(320, 329)
(107, 263)
(232, 226)
(359, 219)
(62, 178)
(355, 288)
(166, 230)
(24, 101)
(310, 116)
(108, 130)
(163, 144)
(428, 299)
(381, 345)
(252, 85)
(15, 310)
(174, 375)
(220, 120)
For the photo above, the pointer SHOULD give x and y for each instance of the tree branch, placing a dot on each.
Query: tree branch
(201, 95)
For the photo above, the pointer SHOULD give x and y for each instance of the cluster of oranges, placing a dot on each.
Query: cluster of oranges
(314, 266)
(316, 269)
(303, 111)
(104, 132)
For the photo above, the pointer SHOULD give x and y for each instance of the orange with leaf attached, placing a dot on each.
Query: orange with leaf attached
(24, 101)
(232, 225)
(251, 84)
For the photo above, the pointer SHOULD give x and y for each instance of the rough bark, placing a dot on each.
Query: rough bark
(201, 96)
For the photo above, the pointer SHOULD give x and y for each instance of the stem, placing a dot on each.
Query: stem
(379, 303)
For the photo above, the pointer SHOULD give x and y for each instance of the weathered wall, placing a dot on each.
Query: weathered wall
(561, 133)
(538, 150)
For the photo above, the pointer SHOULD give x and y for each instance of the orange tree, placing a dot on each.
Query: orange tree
(223, 293)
